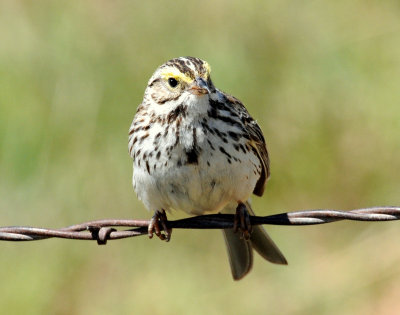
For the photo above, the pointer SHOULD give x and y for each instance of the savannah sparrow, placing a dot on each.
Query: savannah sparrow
(198, 150)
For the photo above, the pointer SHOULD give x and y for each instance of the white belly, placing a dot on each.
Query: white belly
(197, 188)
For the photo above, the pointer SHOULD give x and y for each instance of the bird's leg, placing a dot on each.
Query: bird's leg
(159, 217)
(242, 221)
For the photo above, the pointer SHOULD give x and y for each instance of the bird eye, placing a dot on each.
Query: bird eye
(172, 82)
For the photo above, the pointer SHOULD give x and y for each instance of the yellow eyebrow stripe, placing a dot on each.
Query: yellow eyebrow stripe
(208, 68)
(176, 74)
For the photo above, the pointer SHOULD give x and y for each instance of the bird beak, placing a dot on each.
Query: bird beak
(199, 87)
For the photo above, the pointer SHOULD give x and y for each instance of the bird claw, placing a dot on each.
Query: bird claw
(242, 221)
(159, 218)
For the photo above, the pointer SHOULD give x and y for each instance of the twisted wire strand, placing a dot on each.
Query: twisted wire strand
(104, 230)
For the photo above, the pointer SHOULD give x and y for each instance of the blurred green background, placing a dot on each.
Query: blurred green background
(322, 79)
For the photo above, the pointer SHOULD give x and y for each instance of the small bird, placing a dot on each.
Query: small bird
(197, 149)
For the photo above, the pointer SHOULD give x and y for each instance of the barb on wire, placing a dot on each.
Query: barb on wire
(103, 230)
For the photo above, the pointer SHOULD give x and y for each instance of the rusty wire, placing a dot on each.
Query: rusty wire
(103, 230)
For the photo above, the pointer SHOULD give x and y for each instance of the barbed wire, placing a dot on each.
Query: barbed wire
(104, 230)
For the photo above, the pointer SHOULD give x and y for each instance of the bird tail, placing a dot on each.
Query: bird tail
(240, 251)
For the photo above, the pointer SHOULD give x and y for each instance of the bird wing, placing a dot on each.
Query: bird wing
(257, 142)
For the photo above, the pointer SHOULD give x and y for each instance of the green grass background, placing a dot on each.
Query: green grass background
(322, 79)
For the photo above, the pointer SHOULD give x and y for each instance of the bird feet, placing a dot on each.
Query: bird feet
(159, 218)
(242, 221)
